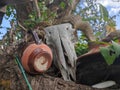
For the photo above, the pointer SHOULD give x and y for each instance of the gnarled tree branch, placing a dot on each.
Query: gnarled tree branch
(84, 26)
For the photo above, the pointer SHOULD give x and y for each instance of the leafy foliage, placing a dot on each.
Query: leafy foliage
(104, 13)
(46, 15)
(97, 15)
(11, 13)
(62, 5)
(81, 46)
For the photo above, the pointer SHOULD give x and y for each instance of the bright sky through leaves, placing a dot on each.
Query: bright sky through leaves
(113, 6)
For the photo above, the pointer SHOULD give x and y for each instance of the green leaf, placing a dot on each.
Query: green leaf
(104, 12)
(108, 54)
(62, 5)
(116, 47)
(70, 1)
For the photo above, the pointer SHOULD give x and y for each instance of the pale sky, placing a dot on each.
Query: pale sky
(113, 7)
(112, 3)
(5, 24)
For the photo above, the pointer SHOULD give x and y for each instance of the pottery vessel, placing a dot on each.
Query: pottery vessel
(36, 58)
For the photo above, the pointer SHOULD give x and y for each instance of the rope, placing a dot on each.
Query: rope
(23, 72)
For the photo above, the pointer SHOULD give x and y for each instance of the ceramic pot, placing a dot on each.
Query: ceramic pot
(37, 58)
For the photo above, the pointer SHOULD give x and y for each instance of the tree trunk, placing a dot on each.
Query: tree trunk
(11, 78)
(59, 38)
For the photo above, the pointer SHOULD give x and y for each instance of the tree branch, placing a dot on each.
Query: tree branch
(2, 12)
(78, 24)
(37, 8)
(21, 26)
(74, 3)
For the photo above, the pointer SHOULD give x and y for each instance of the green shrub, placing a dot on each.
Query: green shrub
(81, 48)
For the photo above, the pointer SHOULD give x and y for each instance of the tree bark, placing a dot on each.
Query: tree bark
(11, 78)
(79, 24)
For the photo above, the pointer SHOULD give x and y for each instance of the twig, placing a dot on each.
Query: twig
(3, 9)
(37, 8)
(21, 26)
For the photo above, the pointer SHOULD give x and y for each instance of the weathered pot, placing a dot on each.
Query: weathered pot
(37, 58)
(92, 68)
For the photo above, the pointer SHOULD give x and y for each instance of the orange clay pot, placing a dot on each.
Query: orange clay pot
(36, 58)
